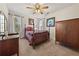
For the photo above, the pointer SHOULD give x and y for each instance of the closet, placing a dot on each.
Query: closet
(67, 32)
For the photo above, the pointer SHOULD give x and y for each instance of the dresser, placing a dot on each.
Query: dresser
(9, 46)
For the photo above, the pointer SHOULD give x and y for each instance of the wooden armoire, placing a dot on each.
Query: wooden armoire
(67, 32)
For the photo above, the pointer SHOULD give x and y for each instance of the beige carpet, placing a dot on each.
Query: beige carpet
(45, 49)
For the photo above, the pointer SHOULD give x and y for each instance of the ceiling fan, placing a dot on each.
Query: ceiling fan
(38, 8)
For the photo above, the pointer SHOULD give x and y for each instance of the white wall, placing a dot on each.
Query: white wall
(11, 24)
(22, 27)
(4, 9)
(66, 13)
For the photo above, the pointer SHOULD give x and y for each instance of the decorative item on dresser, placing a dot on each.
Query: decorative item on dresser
(67, 33)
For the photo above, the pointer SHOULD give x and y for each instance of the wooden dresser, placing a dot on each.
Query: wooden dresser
(67, 33)
(9, 46)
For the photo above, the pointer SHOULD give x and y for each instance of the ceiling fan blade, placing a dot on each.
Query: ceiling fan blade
(41, 12)
(29, 7)
(45, 7)
(34, 12)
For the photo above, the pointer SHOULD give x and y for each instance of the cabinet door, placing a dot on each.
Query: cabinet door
(9, 47)
(73, 33)
(61, 32)
(0, 47)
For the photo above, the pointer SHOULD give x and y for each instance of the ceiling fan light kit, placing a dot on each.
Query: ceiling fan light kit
(38, 8)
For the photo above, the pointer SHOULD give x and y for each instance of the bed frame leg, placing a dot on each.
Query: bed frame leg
(33, 46)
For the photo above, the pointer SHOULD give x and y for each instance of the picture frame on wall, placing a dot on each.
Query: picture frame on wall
(51, 22)
(31, 21)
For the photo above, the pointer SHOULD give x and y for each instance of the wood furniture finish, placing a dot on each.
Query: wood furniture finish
(67, 32)
(10, 34)
(9, 47)
(37, 38)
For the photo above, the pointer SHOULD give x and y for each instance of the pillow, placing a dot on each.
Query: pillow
(30, 34)
(29, 29)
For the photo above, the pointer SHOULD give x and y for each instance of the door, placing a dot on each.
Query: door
(61, 32)
(73, 33)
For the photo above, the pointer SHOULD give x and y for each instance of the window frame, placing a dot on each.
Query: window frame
(2, 33)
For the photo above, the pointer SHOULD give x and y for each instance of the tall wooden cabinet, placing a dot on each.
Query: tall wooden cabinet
(67, 32)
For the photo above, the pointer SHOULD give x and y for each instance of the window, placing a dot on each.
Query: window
(39, 24)
(17, 23)
(2, 21)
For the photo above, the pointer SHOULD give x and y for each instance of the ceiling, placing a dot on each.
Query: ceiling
(21, 7)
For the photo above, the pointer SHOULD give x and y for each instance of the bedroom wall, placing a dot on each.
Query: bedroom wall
(64, 14)
(4, 9)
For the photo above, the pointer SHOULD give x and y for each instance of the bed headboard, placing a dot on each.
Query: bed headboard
(29, 29)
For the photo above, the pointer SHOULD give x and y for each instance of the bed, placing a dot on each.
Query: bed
(35, 37)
